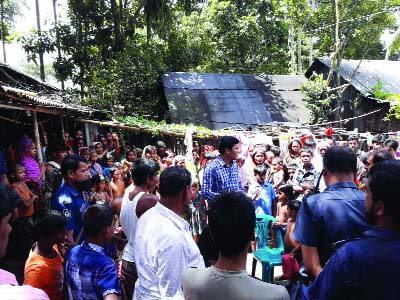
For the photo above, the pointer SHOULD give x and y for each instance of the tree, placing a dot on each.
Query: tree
(9, 9)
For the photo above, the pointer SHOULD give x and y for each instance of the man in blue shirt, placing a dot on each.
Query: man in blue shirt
(368, 268)
(70, 199)
(91, 273)
(261, 192)
(223, 172)
(333, 215)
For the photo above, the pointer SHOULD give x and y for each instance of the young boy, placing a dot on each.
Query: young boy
(292, 256)
(278, 174)
(44, 266)
(285, 194)
(261, 192)
(90, 272)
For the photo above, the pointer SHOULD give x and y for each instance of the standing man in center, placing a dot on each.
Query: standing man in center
(164, 247)
(223, 172)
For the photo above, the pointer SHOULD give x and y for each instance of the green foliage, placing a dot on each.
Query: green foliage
(34, 43)
(115, 51)
(157, 128)
(386, 97)
(229, 37)
(318, 98)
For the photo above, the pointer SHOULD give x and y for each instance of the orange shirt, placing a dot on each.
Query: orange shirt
(23, 191)
(45, 274)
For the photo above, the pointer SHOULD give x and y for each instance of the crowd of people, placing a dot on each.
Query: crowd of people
(100, 221)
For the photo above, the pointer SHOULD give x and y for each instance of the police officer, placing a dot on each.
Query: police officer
(333, 215)
(70, 198)
(368, 268)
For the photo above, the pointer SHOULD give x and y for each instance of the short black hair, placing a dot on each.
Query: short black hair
(379, 155)
(232, 221)
(391, 143)
(294, 205)
(384, 180)
(275, 150)
(352, 137)
(378, 139)
(96, 218)
(287, 189)
(106, 157)
(340, 160)
(227, 142)
(260, 170)
(306, 150)
(173, 180)
(46, 222)
(8, 200)
(308, 143)
(144, 168)
(71, 163)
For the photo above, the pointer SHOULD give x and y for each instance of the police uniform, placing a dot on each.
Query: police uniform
(366, 268)
(72, 204)
(336, 214)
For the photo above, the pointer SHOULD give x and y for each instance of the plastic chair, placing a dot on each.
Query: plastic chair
(269, 258)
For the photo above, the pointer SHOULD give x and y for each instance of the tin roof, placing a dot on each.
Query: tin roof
(223, 100)
(367, 73)
(20, 89)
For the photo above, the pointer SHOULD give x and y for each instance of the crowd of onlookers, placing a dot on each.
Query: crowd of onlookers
(142, 216)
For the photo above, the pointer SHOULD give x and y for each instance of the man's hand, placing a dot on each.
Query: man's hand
(257, 193)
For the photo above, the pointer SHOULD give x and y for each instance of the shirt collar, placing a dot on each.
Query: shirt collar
(70, 189)
(309, 170)
(177, 220)
(381, 232)
(222, 163)
(94, 247)
(339, 185)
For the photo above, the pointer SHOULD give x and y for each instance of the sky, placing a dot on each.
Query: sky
(15, 54)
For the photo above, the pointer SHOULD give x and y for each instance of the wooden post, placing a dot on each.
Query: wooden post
(87, 135)
(62, 128)
(37, 137)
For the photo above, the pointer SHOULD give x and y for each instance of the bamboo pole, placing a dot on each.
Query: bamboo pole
(62, 128)
(37, 137)
(87, 134)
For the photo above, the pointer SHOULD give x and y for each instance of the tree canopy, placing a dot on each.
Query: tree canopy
(116, 50)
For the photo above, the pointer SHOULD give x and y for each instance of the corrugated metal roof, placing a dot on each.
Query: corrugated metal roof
(369, 72)
(34, 98)
(23, 88)
(222, 100)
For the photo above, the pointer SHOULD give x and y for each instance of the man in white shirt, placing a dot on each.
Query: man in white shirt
(232, 221)
(164, 247)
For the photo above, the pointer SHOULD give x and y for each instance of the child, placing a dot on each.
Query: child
(95, 168)
(285, 194)
(308, 188)
(278, 174)
(108, 162)
(85, 153)
(292, 256)
(117, 183)
(261, 192)
(33, 172)
(26, 207)
(44, 266)
(89, 265)
(100, 196)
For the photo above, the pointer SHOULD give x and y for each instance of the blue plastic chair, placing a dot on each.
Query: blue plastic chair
(269, 258)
